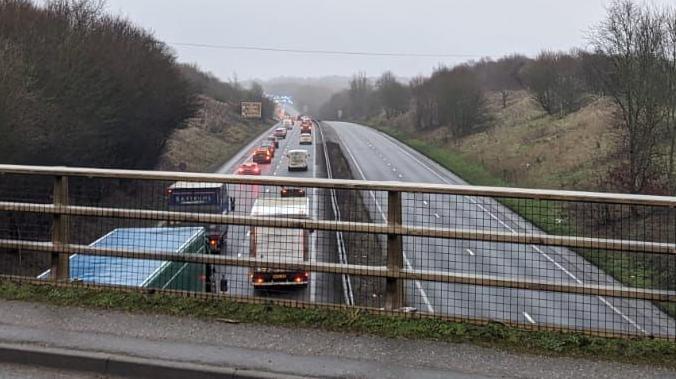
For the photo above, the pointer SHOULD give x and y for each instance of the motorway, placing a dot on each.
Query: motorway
(376, 156)
(321, 287)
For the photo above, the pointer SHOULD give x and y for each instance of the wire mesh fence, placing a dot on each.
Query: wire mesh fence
(593, 263)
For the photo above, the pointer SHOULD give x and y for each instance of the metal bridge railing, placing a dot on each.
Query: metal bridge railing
(589, 262)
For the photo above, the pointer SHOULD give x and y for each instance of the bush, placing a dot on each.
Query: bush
(83, 88)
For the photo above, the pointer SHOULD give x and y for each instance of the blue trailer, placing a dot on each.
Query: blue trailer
(144, 273)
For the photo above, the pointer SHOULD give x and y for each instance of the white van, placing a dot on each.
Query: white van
(298, 160)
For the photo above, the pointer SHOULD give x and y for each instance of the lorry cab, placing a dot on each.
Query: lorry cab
(198, 197)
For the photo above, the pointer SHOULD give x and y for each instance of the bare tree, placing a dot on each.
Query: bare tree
(670, 100)
(393, 96)
(501, 75)
(632, 39)
(554, 82)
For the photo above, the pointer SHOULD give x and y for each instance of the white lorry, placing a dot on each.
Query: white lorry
(279, 245)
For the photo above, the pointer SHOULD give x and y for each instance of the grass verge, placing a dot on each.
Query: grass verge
(646, 351)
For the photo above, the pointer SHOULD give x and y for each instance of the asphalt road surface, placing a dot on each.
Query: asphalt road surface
(322, 287)
(376, 156)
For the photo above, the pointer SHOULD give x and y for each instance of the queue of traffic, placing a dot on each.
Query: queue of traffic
(297, 159)
(271, 244)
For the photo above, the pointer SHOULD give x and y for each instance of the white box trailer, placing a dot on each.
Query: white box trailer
(279, 245)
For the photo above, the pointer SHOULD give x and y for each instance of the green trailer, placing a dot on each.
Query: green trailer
(144, 273)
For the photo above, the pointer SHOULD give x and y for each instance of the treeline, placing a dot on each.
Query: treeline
(231, 92)
(632, 61)
(78, 87)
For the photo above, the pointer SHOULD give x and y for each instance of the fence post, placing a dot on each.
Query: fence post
(395, 258)
(60, 223)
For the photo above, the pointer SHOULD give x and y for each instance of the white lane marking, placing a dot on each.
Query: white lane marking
(400, 176)
(470, 252)
(601, 298)
(361, 173)
(315, 210)
(394, 169)
(425, 202)
(342, 255)
(529, 318)
(267, 190)
(419, 286)
(437, 215)
(408, 263)
(274, 173)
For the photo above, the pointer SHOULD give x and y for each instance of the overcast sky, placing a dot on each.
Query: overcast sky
(465, 27)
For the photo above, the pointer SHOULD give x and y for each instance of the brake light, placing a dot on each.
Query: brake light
(213, 242)
(300, 278)
(169, 191)
(258, 278)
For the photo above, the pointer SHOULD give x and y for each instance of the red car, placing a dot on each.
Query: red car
(249, 168)
(270, 146)
(262, 155)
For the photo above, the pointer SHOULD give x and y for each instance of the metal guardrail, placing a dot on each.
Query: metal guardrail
(394, 273)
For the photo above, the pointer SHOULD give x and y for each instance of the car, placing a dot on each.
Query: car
(297, 160)
(280, 133)
(306, 127)
(270, 146)
(249, 168)
(272, 139)
(305, 139)
(262, 155)
(292, 192)
(287, 123)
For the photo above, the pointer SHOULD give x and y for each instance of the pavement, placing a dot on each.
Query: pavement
(376, 156)
(84, 343)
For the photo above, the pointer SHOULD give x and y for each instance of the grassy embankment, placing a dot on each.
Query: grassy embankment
(210, 139)
(524, 147)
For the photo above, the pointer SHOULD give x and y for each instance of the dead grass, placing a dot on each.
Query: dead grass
(209, 139)
(528, 148)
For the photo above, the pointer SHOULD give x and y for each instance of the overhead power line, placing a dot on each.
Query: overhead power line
(323, 52)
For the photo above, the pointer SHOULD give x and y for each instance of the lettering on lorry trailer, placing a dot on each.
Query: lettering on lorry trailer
(280, 245)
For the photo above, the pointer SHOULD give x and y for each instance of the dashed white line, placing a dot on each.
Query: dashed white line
(437, 215)
(529, 318)
(425, 202)
(470, 252)
(315, 210)
(601, 298)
